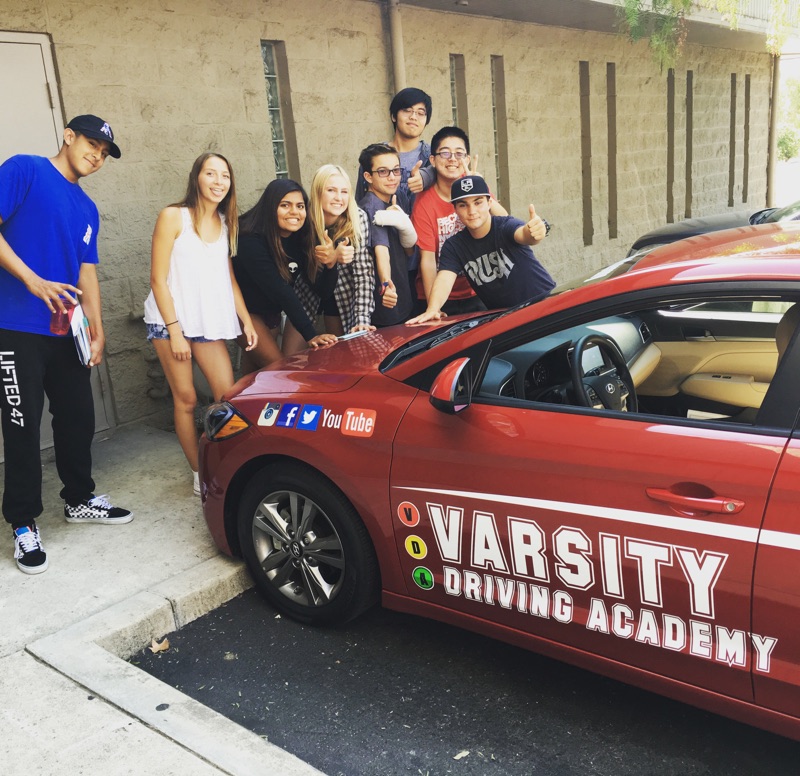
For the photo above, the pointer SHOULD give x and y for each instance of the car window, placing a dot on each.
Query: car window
(743, 308)
(711, 360)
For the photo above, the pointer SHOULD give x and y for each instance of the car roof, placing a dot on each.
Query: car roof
(763, 250)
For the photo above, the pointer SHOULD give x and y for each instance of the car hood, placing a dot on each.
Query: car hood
(327, 369)
(691, 227)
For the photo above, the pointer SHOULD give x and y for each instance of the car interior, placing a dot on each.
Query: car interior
(709, 358)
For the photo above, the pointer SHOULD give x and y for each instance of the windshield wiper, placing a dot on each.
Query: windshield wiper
(454, 331)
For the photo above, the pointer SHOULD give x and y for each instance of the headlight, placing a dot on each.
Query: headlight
(222, 421)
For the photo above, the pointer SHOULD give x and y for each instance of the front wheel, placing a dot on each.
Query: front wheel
(306, 547)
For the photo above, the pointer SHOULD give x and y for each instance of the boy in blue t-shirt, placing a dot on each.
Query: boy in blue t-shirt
(48, 260)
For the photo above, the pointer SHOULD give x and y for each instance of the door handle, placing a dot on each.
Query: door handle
(686, 504)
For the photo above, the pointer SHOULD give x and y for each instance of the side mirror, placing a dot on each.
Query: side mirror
(451, 391)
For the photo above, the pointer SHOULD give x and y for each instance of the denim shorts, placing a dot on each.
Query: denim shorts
(158, 331)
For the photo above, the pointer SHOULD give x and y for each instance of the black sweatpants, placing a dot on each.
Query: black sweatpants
(32, 365)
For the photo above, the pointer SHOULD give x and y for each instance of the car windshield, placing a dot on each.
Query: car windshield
(773, 215)
(435, 337)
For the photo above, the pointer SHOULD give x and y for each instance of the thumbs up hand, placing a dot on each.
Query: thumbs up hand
(536, 226)
(415, 182)
(344, 252)
(324, 253)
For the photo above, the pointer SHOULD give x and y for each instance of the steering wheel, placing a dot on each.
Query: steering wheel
(612, 387)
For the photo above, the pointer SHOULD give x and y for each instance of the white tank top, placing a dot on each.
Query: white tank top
(200, 283)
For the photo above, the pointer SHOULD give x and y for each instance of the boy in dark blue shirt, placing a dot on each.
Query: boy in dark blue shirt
(493, 252)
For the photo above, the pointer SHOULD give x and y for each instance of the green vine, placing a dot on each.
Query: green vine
(662, 23)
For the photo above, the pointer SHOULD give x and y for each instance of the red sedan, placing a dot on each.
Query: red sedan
(608, 477)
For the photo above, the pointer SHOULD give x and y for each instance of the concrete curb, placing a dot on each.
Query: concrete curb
(93, 654)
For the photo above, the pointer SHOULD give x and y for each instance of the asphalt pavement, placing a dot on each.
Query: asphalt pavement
(390, 694)
(69, 701)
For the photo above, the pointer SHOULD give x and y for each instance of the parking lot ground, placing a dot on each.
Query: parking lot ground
(395, 694)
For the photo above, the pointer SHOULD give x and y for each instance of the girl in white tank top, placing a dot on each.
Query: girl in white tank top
(195, 303)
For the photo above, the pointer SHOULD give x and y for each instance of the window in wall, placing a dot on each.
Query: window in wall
(586, 153)
(281, 119)
(499, 118)
(732, 149)
(689, 141)
(611, 116)
(458, 92)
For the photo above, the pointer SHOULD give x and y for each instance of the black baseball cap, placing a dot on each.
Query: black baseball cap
(469, 186)
(94, 126)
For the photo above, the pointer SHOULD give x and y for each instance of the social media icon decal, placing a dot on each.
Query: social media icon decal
(288, 415)
(359, 422)
(309, 417)
(269, 414)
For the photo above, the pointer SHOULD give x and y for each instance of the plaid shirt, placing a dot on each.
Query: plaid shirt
(355, 288)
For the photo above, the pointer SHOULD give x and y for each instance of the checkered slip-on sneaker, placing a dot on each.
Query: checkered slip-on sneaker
(28, 551)
(97, 509)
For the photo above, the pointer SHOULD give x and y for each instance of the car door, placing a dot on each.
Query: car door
(620, 535)
(776, 587)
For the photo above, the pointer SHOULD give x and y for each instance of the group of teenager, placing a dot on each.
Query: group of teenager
(420, 237)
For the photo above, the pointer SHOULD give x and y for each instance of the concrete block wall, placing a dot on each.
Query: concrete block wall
(176, 78)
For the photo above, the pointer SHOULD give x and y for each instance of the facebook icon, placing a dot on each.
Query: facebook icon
(288, 416)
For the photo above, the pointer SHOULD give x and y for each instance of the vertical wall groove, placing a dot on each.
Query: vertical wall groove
(746, 161)
(670, 146)
(689, 141)
(611, 112)
(732, 144)
(586, 153)
(500, 129)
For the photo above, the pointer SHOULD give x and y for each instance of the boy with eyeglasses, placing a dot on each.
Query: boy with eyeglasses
(391, 235)
(410, 112)
(435, 219)
(494, 252)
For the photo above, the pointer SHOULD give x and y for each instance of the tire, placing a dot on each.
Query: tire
(306, 547)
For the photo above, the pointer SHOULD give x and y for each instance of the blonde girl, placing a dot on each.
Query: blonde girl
(340, 230)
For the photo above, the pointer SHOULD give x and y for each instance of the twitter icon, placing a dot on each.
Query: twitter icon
(309, 417)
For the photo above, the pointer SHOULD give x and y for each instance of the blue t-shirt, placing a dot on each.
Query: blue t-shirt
(502, 272)
(52, 225)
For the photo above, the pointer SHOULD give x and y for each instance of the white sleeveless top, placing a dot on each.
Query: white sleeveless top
(200, 283)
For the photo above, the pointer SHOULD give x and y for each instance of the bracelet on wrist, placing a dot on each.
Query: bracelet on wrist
(170, 324)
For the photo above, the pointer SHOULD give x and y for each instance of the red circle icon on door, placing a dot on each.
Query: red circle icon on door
(408, 514)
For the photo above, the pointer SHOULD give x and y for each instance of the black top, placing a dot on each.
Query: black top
(264, 290)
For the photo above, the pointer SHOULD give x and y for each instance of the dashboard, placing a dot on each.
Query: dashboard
(541, 370)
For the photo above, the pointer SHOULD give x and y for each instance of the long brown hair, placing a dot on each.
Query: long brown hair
(227, 208)
(262, 219)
